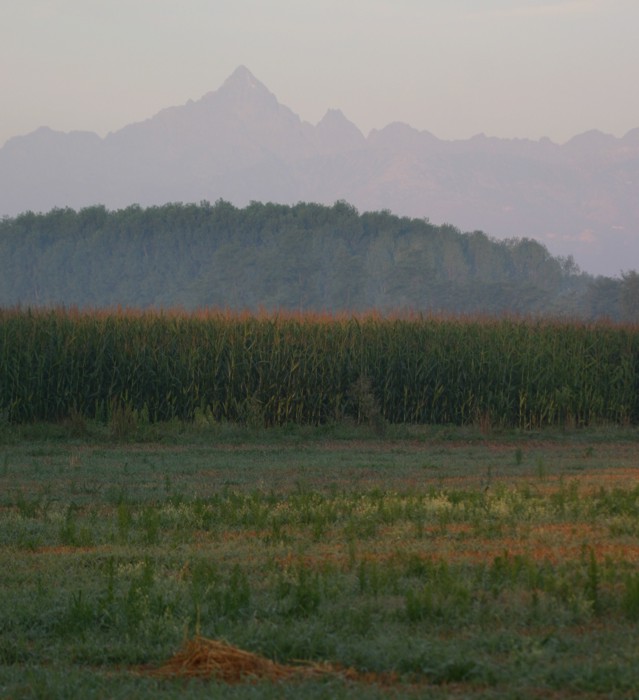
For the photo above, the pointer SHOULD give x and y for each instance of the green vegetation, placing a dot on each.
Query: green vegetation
(380, 494)
(297, 258)
(276, 370)
(446, 559)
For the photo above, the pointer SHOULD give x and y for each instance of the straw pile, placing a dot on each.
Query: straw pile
(208, 658)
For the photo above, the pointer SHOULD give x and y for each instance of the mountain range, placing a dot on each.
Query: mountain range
(239, 144)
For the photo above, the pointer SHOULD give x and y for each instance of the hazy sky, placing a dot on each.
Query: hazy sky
(511, 68)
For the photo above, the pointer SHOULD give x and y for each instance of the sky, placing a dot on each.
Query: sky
(506, 68)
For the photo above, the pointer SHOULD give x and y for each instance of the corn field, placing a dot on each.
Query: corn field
(281, 369)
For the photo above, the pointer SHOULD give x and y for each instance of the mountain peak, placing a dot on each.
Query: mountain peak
(333, 116)
(591, 139)
(401, 135)
(242, 77)
(336, 132)
(242, 82)
(244, 93)
(632, 137)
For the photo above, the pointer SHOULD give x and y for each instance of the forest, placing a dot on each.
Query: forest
(306, 257)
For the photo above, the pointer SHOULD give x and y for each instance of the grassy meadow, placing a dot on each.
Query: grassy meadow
(428, 562)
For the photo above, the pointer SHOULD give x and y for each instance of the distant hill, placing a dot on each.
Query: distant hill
(241, 145)
(296, 258)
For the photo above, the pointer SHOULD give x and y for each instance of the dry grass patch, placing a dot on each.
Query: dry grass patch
(217, 660)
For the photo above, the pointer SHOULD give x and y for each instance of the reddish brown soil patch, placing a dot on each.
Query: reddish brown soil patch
(63, 549)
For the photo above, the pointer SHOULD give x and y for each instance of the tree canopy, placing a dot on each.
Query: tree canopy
(279, 257)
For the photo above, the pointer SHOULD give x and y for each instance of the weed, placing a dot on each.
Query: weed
(369, 578)
(68, 529)
(123, 420)
(630, 599)
(593, 582)
(151, 525)
(79, 616)
(456, 671)
(484, 422)
(306, 593)
(124, 521)
(35, 507)
(76, 423)
(254, 413)
(367, 406)
(237, 595)
(541, 468)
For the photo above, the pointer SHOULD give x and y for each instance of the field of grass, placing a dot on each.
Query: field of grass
(433, 562)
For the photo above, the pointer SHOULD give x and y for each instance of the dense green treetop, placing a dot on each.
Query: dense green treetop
(301, 257)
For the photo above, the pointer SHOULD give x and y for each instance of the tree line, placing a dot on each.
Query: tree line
(305, 257)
